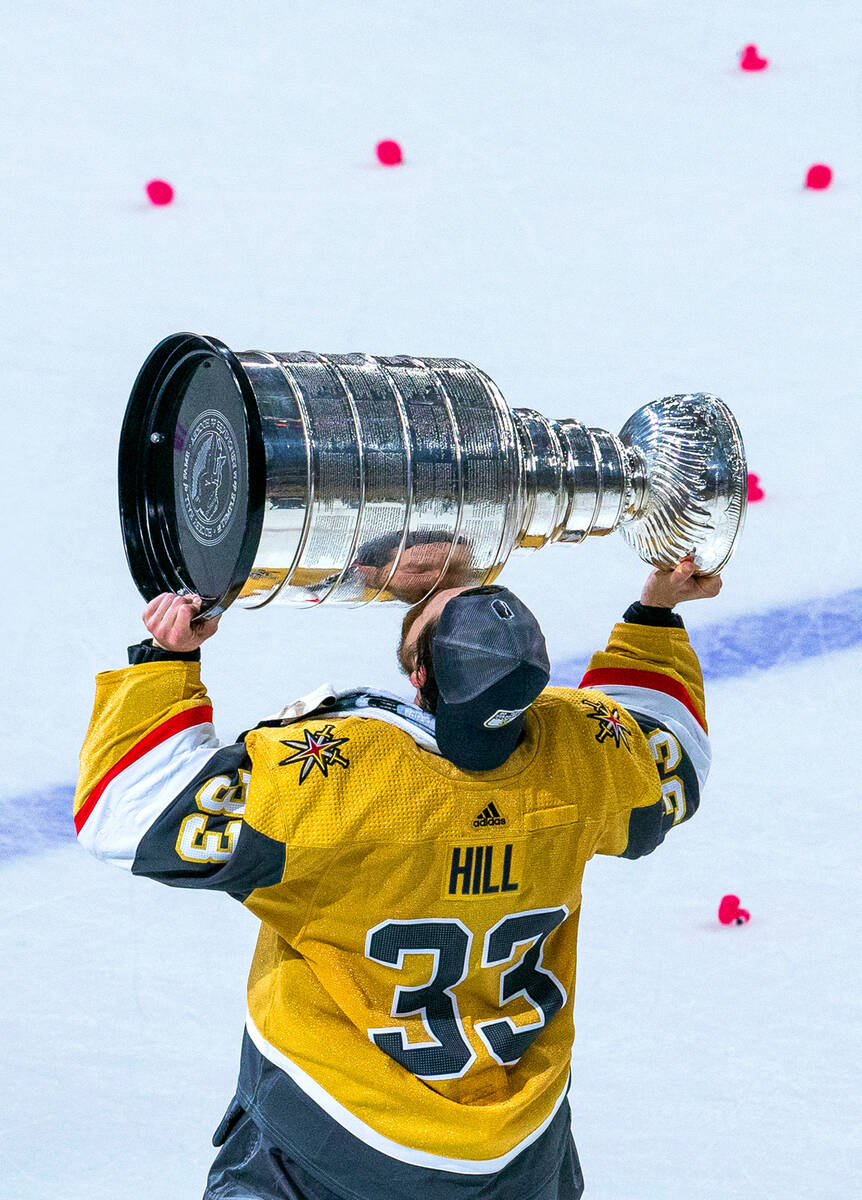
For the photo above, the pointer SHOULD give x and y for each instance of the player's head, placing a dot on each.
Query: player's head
(478, 659)
(427, 560)
(414, 649)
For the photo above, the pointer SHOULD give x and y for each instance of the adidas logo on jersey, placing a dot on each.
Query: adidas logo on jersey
(489, 816)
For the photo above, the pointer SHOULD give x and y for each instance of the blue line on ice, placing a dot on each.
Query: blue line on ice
(759, 641)
(43, 819)
(36, 821)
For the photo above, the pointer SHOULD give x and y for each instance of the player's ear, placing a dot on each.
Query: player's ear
(419, 677)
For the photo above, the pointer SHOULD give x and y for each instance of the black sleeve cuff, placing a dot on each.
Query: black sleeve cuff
(145, 652)
(652, 614)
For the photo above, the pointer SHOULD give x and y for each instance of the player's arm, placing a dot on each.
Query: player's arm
(650, 668)
(157, 792)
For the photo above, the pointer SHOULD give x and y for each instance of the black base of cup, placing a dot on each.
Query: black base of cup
(192, 473)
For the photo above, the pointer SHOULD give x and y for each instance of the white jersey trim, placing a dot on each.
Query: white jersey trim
(137, 797)
(672, 713)
(406, 716)
(377, 1141)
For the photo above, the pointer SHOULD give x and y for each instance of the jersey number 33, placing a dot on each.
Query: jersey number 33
(448, 1054)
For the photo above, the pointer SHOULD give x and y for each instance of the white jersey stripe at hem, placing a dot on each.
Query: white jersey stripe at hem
(377, 1141)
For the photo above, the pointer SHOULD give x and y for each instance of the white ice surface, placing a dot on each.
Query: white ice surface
(598, 208)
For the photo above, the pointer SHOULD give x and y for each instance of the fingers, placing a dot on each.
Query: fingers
(667, 588)
(168, 618)
(700, 587)
(685, 568)
(179, 616)
(157, 607)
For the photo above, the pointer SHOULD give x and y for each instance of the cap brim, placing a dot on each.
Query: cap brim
(461, 734)
(469, 745)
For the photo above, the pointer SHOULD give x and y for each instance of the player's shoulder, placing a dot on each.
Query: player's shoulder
(553, 697)
(317, 730)
(565, 701)
(587, 717)
(330, 749)
(568, 703)
(351, 780)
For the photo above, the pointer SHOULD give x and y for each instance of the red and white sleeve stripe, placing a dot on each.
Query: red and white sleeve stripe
(130, 797)
(662, 697)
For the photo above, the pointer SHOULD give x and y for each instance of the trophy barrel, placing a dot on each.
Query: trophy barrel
(305, 478)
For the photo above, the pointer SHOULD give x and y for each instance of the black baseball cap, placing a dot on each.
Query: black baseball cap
(490, 663)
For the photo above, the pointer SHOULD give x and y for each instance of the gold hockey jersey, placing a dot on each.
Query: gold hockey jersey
(414, 976)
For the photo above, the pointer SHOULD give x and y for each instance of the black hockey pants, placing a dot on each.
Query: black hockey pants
(250, 1167)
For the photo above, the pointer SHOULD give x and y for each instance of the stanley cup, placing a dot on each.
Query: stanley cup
(347, 478)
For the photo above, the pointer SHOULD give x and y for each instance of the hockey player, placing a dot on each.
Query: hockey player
(416, 870)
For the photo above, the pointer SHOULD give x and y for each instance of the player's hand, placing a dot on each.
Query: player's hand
(664, 589)
(172, 622)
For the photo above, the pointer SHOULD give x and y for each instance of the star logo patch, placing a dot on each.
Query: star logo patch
(610, 723)
(319, 749)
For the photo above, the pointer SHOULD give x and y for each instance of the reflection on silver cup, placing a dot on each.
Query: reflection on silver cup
(306, 478)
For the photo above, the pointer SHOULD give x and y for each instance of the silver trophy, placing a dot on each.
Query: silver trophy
(345, 478)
